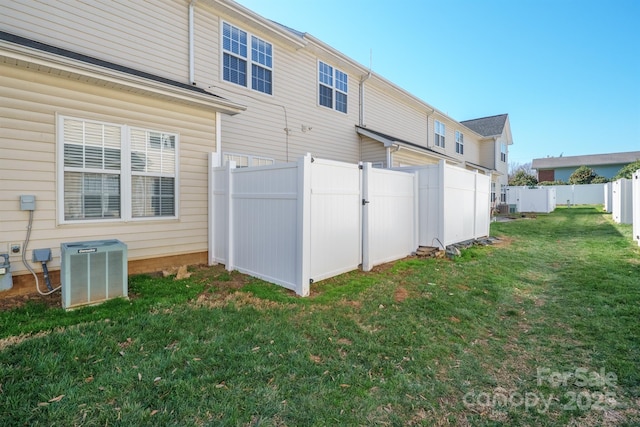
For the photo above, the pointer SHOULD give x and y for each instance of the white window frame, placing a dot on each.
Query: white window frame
(249, 60)
(440, 131)
(125, 172)
(339, 85)
(248, 160)
(459, 142)
(503, 152)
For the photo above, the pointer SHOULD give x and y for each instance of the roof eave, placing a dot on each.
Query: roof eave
(18, 52)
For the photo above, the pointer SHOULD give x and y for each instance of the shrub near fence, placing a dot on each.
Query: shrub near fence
(295, 223)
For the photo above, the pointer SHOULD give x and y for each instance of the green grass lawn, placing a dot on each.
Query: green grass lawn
(541, 329)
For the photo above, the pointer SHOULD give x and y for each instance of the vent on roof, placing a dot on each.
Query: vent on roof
(92, 272)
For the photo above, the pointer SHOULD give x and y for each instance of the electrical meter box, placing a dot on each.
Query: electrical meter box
(27, 203)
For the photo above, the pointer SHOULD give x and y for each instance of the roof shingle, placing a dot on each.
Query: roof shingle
(487, 126)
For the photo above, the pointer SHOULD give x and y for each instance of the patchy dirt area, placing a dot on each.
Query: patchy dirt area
(8, 303)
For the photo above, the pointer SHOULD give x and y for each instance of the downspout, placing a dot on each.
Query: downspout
(362, 80)
(192, 76)
(429, 115)
(391, 149)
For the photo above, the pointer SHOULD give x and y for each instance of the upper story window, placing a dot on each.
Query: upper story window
(503, 152)
(333, 86)
(459, 143)
(439, 132)
(238, 68)
(112, 171)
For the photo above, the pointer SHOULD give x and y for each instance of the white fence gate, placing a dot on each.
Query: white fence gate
(295, 223)
(390, 212)
(454, 204)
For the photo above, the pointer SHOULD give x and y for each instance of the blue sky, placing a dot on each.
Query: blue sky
(566, 71)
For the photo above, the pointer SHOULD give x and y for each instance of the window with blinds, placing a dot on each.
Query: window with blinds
(92, 170)
(236, 49)
(440, 132)
(153, 166)
(333, 86)
(97, 182)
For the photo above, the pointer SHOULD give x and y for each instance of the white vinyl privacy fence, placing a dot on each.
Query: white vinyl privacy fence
(608, 196)
(635, 196)
(622, 208)
(538, 199)
(579, 194)
(454, 204)
(295, 223)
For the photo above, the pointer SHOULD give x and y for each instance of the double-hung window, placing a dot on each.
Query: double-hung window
(112, 171)
(439, 133)
(153, 166)
(333, 87)
(459, 142)
(503, 152)
(243, 63)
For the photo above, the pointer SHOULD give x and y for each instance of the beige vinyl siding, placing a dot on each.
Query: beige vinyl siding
(471, 146)
(386, 113)
(372, 151)
(406, 157)
(260, 130)
(487, 153)
(31, 103)
(148, 36)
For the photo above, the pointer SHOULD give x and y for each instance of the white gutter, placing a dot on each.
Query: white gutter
(192, 71)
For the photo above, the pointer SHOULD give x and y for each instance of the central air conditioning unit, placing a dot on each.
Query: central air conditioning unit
(92, 272)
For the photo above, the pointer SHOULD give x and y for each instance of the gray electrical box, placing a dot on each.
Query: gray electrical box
(27, 203)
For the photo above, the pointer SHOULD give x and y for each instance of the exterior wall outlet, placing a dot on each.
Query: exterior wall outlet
(15, 249)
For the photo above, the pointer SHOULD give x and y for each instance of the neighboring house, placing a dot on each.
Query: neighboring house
(561, 168)
(496, 138)
(111, 107)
